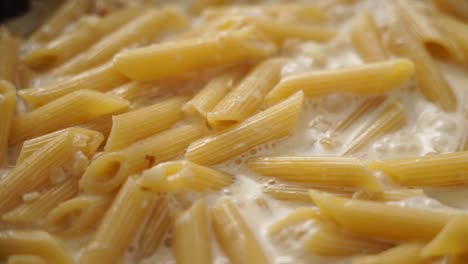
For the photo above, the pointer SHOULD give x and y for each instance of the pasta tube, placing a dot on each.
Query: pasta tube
(441, 170)
(367, 79)
(37, 209)
(235, 236)
(245, 99)
(452, 240)
(25, 259)
(99, 79)
(148, 24)
(127, 128)
(299, 215)
(69, 110)
(182, 175)
(404, 253)
(108, 172)
(381, 221)
(453, 7)
(7, 112)
(77, 215)
(288, 192)
(391, 117)
(129, 210)
(56, 160)
(273, 123)
(430, 80)
(136, 92)
(32, 242)
(213, 92)
(9, 52)
(192, 55)
(192, 235)
(328, 171)
(457, 31)
(368, 105)
(366, 38)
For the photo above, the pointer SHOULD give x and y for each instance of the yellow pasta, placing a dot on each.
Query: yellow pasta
(120, 224)
(213, 92)
(288, 192)
(132, 126)
(141, 29)
(56, 160)
(93, 139)
(9, 52)
(452, 240)
(367, 79)
(68, 45)
(235, 236)
(430, 80)
(406, 253)
(273, 123)
(7, 111)
(39, 207)
(68, 12)
(137, 91)
(108, 171)
(367, 106)
(33, 242)
(440, 170)
(102, 124)
(156, 227)
(366, 38)
(297, 216)
(77, 215)
(192, 240)
(25, 259)
(245, 99)
(453, 7)
(420, 22)
(179, 176)
(457, 31)
(327, 240)
(99, 79)
(327, 171)
(381, 221)
(390, 117)
(69, 110)
(192, 55)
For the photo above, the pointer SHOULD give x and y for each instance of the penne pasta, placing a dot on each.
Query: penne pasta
(327, 171)
(136, 92)
(452, 240)
(7, 112)
(99, 79)
(9, 52)
(67, 13)
(39, 207)
(65, 47)
(245, 99)
(192, 238)
(273, 123)
(77, 215)
(93, 138)
(453, 7)
(381, 221)
(327, 240)
(69, 110)
(390, 117)
(430, 80)
(419, 21)
(193, 55)
(367, 106)
(33, 242)
(367, 79)
(299, 215)
(59, 159)
(139, 30)
(406, 253)
(456, 31)
(440, 170)
(25, 259)
(129, 210)
(235, 236)
(366, 38)
(288, 192)
(156, 228)
(108, 171)
(213, 92)
(177, 176)
(130, 127)
(102, 124)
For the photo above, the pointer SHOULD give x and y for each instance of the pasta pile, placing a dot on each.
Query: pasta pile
(131, 131)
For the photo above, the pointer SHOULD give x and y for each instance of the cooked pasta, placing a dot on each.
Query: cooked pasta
(7, 109)
(366, 107)
(298, 215)
(403, 253)
(367, 79)
(25, 259)
(367, 40)
(9, 52)
(459, 9)
(452, 240)
(456, 31)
